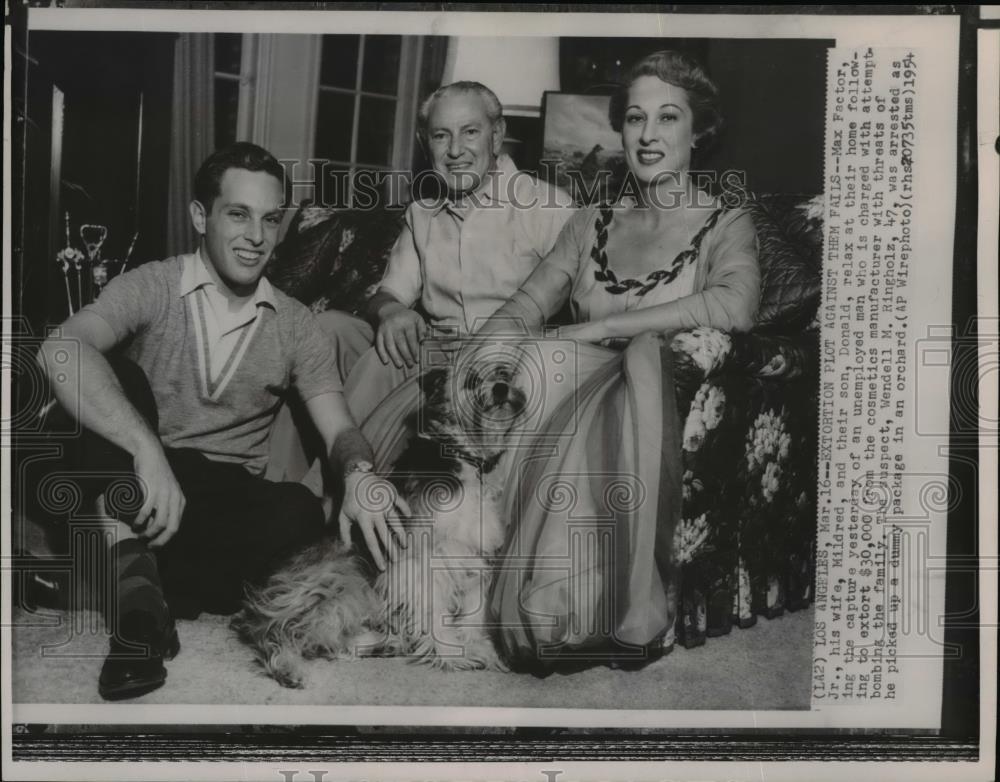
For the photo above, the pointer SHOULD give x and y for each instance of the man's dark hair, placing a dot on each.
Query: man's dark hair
(242, 154)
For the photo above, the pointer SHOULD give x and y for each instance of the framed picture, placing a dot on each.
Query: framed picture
(580, 149)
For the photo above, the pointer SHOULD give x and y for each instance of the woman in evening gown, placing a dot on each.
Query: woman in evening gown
(591, 478)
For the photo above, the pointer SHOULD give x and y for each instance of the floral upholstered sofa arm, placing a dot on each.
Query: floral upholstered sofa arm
(745, 544)
(775, 356)
(702, 353)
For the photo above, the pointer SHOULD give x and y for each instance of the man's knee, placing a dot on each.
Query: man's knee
(350, 335)
(103, 469)
(336, 325)
(371, 382)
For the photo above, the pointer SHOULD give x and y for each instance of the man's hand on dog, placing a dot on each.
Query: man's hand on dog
(372, 503)
(399, 333)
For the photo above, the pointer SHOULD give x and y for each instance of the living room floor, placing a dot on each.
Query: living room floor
(57, 657)
(763, 667)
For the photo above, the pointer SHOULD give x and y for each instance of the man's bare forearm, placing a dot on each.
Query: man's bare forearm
(345, 445)
(90, 391)
(379, 303)
(350, 448)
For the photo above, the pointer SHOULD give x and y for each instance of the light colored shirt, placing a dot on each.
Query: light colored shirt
(463, 259)
(225, 330)
(227, 416)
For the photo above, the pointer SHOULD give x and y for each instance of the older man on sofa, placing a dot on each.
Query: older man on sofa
(458, 257)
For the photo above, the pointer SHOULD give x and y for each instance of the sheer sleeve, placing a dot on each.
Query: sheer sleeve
(548, 287)
(731, 294)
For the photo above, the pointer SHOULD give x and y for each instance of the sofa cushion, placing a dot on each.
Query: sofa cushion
(789, 233)
(334, 259)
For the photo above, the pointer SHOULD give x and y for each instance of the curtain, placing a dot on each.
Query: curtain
(433, 60)
(191, 133)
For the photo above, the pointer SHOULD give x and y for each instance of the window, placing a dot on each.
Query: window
(347, 99)
(366, 106)
(226, 85)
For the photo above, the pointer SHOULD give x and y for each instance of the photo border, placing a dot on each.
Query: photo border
(959, 735)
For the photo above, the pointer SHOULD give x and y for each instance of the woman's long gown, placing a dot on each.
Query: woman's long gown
(591, 477)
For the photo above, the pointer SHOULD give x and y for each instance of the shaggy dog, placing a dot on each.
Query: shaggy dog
(429, 603)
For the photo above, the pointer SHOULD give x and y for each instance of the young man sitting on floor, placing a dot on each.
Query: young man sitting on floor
(182, 367)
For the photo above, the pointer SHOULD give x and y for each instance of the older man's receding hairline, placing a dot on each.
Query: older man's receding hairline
(494, 110)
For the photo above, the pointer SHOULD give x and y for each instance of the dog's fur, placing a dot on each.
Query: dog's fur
(430, 602)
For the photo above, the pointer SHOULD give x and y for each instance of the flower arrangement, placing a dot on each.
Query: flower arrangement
(66, 257)
(101, 269)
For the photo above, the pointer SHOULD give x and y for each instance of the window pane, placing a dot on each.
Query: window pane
(377, 187)
(339, 63)
(333, 125)
(335, 190)
(375, 130)
(381, 69)
(228, 51)
(227, 103)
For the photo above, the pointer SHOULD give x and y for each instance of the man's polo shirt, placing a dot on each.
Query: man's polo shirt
(223, 333)
(159, 314)
(462, 259)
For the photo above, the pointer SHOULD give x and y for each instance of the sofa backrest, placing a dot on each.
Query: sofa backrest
(334, 259)
(790, 251)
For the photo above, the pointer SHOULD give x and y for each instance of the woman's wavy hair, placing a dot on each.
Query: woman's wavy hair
(679, 69)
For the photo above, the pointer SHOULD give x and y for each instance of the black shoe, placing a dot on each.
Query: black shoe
(129, 670)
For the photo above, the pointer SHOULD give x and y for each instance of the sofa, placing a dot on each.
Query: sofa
(745, 547)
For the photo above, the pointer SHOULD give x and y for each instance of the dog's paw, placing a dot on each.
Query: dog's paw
(492, 661)
(474, 657)
(285, 669)
(292, 679)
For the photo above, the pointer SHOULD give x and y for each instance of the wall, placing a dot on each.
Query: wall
(114, 152)
(771, 95)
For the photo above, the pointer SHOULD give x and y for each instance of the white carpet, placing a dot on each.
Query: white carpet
(57, 658)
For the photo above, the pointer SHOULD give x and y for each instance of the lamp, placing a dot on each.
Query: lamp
(518, 69)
